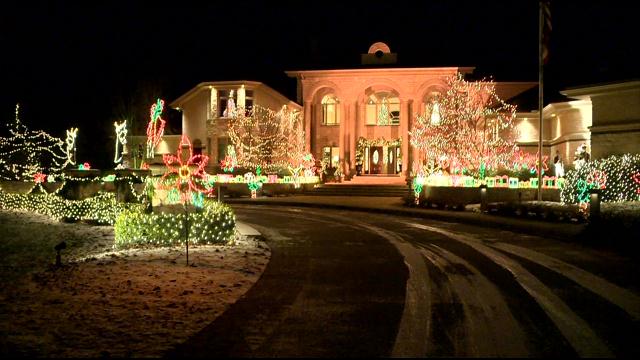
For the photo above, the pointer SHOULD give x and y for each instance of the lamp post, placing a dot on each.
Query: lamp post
(594, 206)
(483, 198)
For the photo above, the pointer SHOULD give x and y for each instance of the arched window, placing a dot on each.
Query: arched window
(382, 108)
(433, 108)
(330, 110)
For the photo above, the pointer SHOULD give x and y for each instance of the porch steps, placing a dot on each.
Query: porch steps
(360, 190)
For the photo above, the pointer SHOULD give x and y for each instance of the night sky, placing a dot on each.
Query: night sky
(73, 64)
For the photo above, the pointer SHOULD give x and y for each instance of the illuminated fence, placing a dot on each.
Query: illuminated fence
(265, 179)
(548, 182)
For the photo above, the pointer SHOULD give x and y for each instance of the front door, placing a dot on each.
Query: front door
(391, 159)
(376, 159)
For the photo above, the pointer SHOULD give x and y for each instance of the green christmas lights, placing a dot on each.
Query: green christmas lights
(613, 176)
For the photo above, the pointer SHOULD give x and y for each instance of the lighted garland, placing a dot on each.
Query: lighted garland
(27, 152)
(616, 177)
(213, 225)
(365, 143)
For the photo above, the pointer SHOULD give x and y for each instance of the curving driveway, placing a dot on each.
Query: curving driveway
(347, 283)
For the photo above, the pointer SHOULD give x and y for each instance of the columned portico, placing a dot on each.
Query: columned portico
(307, 124)
(405, 115)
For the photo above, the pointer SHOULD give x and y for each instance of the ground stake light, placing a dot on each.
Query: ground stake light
(188, 180)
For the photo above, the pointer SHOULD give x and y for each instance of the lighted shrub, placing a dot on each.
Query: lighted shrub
(213, 224)
(102, 208)
(616, 176)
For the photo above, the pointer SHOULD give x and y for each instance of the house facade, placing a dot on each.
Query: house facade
(363, 116)
(208, 107)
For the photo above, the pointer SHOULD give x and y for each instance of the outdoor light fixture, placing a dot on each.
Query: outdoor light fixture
(594, 207)
(483, 198)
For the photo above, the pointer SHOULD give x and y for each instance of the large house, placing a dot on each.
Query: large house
(343, 110)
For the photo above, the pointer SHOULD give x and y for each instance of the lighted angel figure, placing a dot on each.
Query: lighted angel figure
(155, 128)
(230, 111)
(188, 172)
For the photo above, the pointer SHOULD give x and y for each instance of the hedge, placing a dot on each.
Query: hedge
(213, 224)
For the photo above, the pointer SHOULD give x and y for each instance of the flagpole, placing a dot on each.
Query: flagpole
(540, 97)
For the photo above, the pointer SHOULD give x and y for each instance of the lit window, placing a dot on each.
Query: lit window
(382, 108)
(330, 110)
(331, 154)
(435, 113)
(226, 99)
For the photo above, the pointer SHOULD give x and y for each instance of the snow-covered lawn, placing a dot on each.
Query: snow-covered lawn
(138, 302)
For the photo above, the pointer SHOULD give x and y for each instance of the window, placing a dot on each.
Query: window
(382, 108)
(330, 110)
(331, 154)
(223, 96)
(222, 148)
(248, 102)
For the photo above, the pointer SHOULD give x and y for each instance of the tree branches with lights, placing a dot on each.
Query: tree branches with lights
(24, 152)
(466, 129)
(270, 139)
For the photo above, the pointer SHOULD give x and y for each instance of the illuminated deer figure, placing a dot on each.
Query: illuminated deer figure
(121, 138)
(71, 145)
(155, 130)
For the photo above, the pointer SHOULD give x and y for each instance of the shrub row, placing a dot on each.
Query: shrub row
(102, 208)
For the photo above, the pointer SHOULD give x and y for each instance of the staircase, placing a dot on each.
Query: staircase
(388, 186)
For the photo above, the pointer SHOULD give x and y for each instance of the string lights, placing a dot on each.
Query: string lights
(617, 178)
(26, 152)
(213, 225)
(271, 139)
(155, 128)
(181, 175)
(121, 139)
(474, 127)
(71, 145)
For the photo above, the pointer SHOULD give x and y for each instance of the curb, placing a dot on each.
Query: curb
(246, 230)
(557, 231)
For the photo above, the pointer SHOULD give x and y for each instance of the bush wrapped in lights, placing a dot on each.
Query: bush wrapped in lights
(215, 224)
(617, 178)
(102, 208)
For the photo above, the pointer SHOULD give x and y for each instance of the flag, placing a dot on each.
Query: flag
(545, 9)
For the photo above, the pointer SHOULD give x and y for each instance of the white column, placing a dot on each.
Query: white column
(405, 117)
(307, 125)
(352, 133)
(341, 133)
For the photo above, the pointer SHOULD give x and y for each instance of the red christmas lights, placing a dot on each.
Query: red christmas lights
(187, 180)
(155, 130)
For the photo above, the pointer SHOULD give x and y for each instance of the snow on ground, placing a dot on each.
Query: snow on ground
(136, 303)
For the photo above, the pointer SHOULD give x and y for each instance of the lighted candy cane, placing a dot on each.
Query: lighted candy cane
(71, 145)
(155, 131)
(121, 139)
